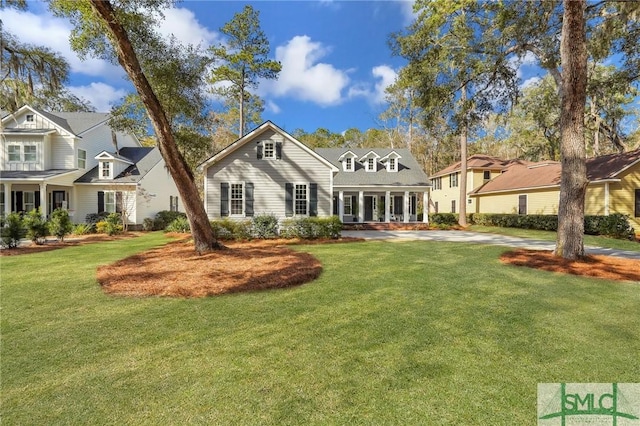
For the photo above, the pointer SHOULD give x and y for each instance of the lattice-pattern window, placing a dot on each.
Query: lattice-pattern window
(14, 152)
(269, 150)
(371, 163)
(105, 170)
(30, 153)
(348, 164)
(300, 199)
(392, 164)
(237, 200)
(348, 205)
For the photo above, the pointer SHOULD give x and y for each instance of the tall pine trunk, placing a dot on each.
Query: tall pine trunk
(203, 237)
(573, 182)
(462, 209)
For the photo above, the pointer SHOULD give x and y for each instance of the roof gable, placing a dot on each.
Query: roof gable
(253, 135)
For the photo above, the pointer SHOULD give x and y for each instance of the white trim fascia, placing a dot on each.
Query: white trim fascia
(529, 188)
(28, 107)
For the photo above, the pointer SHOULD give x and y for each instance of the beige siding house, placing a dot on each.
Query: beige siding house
(269, 172)
(77, 162)
(614, 187)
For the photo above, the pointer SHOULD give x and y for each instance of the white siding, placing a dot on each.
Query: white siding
(269, 176)
(154, 192)
(87, 200)
(62, 153)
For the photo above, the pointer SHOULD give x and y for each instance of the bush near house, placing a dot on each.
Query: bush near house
(12, 231)
(265, 226)
(60, 224)
(227, 229)
(36, 226)
(615, 225)
(179, 224)
(310, 228)
(112, 225)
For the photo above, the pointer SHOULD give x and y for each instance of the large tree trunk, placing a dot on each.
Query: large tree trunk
(462, 210)
(573, 182)
(203, 236)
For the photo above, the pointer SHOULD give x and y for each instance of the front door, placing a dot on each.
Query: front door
(369, 207)
(58, 200)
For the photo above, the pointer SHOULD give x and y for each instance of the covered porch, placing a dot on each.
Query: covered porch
(376, 205)
(22, 193)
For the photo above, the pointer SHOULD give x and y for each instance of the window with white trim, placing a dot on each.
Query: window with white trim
(30, 153)
(14, 153)
(28, 201)
(110, 201)
(348, 164)
(300, 199)
(392, 164)
(82, 158)
(437, 183)
(486, 175)
(30, 118)
(237, 199)
(348, 205)
(371, 164)
(173, 203)
(269, 149)
(105, 169)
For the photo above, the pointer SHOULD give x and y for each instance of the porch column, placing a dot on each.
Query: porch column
(7, 199)
(606, 199)
(425, 207)
(341, 205)
(405, 209)
(43, 200)
(387, 205)
(361, 206)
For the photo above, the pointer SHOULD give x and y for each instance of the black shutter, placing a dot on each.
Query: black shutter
(398, 205)
(19, 205)
(177, 200)
(259, 150)
(100, 201)
(414, 202)
(13, 201)
(224, 199)
(119, 202)
(278, 150)
(36, 199)
(288, 199)
(313, 199)
(336, 200)
(248, 199)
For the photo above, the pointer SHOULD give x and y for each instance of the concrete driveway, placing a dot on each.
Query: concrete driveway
(481, 238)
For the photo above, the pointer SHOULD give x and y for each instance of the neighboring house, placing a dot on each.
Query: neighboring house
(270, 172)
(445, 184)
(614, 187)
(77, 162)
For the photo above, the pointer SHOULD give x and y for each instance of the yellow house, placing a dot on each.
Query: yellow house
(614, 187)
(445, 190)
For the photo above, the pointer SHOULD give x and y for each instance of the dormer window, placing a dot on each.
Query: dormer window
(392, 165)
(391, 161)
(348, 160)
(371, 165)
(348, 166)
(105, 170)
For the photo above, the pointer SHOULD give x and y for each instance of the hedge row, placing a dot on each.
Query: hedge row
(267, 226)
(615, 225)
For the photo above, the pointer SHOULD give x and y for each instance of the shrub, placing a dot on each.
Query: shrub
(165, 217)
(179, 224)
(148, 224)
(36, 226)
(265, 226)
(311, 227)
(228, 229)
(83, 229)
(93, 218)
(111, 225)
(60, 224)
(12, 231)
(615, 225)
(443, 218)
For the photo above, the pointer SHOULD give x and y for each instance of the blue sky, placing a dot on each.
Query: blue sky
(335, 57)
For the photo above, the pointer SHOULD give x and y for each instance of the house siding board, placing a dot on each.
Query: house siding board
(594, 201)
(62, 153)
(622, 194)
(268, 176)
(153, 193)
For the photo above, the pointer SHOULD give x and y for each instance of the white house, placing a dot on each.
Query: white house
(77, 162)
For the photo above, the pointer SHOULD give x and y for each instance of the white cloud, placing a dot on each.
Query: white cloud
(49, 31)
(272, 107)
(303, 77)
(183, 24)
(406, 7)
(101, 95)
(385, 76)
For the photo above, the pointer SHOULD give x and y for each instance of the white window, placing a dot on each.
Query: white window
(28, 201)
(30, 153)
(110, 201)
(392, 164)
(348, 205)
(237, 200)
(300, 201)
(348, 164)
(269, 150)
(14, 152)
(105, 169)
(437, 183)
(30, 118)
(371, 163)
(82, 159)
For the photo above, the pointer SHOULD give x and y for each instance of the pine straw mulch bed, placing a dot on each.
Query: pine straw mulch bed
(70, 241)
(177, 270)
(607, 267)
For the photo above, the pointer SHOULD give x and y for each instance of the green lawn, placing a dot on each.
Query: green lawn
(391, 333)
(589, 240)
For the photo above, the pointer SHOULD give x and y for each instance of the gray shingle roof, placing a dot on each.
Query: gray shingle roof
(409, 171)
(143, 159)
(35, 174)
(75, 122)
